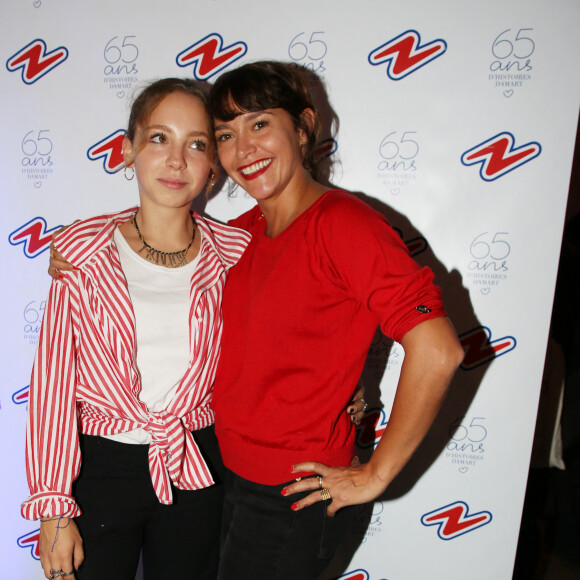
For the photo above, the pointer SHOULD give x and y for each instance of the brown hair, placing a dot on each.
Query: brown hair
(267, 85)
(150, 97)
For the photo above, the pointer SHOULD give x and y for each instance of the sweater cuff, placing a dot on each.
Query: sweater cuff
(48, 505)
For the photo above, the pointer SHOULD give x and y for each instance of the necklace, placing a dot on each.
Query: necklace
(167, 259)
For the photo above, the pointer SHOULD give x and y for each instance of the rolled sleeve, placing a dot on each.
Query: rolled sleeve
(371, 262)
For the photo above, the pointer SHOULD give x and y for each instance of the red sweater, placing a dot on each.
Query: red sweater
(300, 311)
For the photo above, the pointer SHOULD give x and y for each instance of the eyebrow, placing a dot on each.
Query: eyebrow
(251, 115)
(169, 130)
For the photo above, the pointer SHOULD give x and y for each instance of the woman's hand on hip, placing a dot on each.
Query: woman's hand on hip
(340, 486)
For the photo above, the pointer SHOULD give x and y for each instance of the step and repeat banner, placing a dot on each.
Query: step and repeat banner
(455, 120)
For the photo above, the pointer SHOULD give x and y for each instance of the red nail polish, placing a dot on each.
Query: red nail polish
(284, 492)
(294, 506)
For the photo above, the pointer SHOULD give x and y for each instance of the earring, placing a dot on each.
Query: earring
(212, 178)
(129, 176)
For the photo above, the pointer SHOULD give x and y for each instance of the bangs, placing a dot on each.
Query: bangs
(236, 92)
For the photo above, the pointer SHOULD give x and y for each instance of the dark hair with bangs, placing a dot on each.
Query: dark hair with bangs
(263, 85)
(148, 100)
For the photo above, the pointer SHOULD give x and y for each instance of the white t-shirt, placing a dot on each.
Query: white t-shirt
(161, 301)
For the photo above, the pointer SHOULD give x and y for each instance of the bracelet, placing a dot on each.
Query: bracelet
(59, 518)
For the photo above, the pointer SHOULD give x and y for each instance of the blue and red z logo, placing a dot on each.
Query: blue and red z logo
(209, 56)
(405, 54)
(110, 150)
(20, 397)
(372, 428)
(30, 541)
(355, 575)
(454, 520)
(35, 61)
(499, 155)
(34, 236)
(480, 349)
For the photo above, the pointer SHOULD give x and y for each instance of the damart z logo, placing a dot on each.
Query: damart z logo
(415, 245)
(326, 148)
(110, 150)
(405, 54)
(30, 541)
(21, 397)
(372, 428)
(454, 520)
(480, 349)
(499, 155)
(35, 61)
(34, 237)
(355, 575)
(359, 574)
(209, 56)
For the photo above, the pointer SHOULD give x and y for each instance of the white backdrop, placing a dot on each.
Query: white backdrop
(456, 120)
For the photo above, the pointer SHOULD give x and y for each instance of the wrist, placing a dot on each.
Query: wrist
(52, 519)
(381, 474)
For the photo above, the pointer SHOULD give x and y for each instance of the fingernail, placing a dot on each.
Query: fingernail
(350, 411)
(294, 506)
(284, 492)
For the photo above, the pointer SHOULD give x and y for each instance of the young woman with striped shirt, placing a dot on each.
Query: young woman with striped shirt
(120, 427)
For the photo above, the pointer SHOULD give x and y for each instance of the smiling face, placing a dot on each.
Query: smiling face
(170, 152)
(262, 152)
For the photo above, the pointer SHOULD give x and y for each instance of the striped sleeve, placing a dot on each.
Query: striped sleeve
(52, 446)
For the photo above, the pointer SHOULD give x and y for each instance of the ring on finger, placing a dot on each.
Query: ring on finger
(325, 494)
(320, 481)
(67, 573)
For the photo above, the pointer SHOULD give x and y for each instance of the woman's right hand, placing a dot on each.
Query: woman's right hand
(57, 261)
(60, 546)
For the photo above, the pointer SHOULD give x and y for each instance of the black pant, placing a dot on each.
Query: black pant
(263, 538)
(122, 515)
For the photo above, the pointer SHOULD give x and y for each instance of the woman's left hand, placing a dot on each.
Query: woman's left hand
(352, 485)
(357, 405)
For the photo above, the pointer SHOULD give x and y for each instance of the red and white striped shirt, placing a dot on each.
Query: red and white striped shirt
(85, 376)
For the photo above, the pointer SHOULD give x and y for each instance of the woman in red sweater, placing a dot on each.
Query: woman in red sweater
(300, 309)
